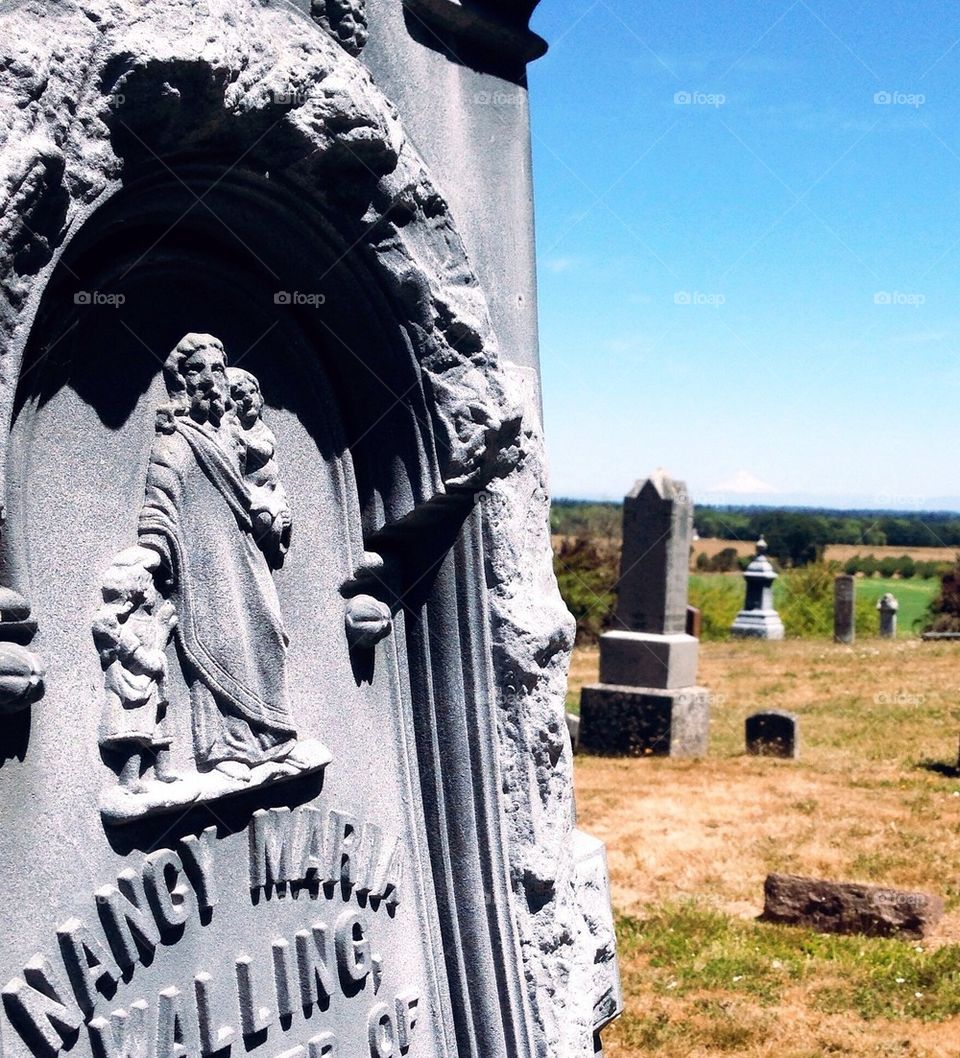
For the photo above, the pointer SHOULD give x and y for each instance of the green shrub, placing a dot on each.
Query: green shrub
(804, 599)
(944, 612)
(587, 577)
(888, 566)
(719, 600)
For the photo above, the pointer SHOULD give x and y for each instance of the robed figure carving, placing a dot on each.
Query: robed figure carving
(213, 525)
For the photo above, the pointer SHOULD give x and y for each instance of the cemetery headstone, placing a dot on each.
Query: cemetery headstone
(888, 607)
(772, 734)
(758, 619)
(844, 608)
(283, 761)
(647, 700)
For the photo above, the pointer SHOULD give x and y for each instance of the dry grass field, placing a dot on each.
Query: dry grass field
(875, 797)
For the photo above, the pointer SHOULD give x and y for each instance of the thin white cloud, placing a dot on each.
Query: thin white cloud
(743, 483)
(560, 264)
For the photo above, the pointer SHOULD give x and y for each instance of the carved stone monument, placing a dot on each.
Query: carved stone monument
(758, 619)
(284, 767)
(844, 608)
(647, 700)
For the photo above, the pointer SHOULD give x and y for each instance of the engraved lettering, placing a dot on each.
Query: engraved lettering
(272, 847)
(408, 1009)
(370, 844)
(164, 881)
(381, 1032)
(40, 1008)
(130, 930)
(322, 1046)
(124, 1035)
(170, 1037)
(198, 853)
(312, 854)
(87, 961)
(253, 1017)
(353, 946)
(343, 848)
(283, 978)
(389, 876)
(313, 965)
(212, 1039)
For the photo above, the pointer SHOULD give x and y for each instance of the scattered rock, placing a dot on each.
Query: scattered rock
(847, 907)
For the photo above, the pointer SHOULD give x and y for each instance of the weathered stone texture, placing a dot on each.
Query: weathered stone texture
(773, 733)
(637, 721)
(847, 907)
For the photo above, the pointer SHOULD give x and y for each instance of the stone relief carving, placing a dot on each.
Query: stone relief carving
(64, 148)
(213, 525)
(344, 20)
(131, 630)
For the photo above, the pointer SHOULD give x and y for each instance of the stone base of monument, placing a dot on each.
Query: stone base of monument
(758, 624)
(645, 721)
(121, 805)
(645, 659)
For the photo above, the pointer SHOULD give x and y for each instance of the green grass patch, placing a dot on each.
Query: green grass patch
(691, 949)
(914, 595)
(804, 599)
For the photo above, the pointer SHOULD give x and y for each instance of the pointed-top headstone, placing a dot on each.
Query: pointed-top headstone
(657, 527)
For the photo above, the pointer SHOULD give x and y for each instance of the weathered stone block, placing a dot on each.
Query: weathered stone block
(643, 659)
(844, 606)
(772, 734)
(847, 907)
(639, 721)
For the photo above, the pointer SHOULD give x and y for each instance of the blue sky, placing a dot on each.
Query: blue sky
(748, 226)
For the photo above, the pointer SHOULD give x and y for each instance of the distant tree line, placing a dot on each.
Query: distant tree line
(795, 536)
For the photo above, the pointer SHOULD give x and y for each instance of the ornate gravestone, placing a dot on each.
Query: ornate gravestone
(284, 769)
(647, 701)
(758, 619)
